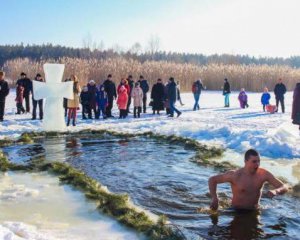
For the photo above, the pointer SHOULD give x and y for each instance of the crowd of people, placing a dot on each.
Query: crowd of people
(97, 100)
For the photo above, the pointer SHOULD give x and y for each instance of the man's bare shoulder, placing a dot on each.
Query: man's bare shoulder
(264, 172)
(232, 174)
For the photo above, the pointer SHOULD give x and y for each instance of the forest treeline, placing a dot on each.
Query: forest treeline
(49, 51)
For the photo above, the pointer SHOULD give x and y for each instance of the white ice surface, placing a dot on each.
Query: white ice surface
(39, 208)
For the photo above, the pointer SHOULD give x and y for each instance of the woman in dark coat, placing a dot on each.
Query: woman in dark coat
(158, 94)
(296, 105)
(92, 91)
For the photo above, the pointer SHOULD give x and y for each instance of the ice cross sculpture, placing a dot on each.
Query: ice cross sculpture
(54, 91)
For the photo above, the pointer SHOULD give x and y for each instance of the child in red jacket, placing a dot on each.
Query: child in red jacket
(19, 99)
(122, 101)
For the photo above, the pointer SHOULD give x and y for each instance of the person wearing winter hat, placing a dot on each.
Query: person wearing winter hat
(38, 78)
(101, 101)
(92, 90)
(110, 89)
(226, 92)
(85, 102)
(27, 84)
(122, 101)
(137, 95)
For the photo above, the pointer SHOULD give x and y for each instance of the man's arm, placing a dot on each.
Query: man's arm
(280, 187)
(212, 184)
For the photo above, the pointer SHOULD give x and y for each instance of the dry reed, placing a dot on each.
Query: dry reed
(250, 77)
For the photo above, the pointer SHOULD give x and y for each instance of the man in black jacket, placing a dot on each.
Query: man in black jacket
(145, 87)
(226, 92)
(4, 90)
(131, 85)
(279, 92)
(110, 89)
(27, 84)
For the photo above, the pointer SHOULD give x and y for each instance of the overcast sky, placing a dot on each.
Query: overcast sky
(253, 27)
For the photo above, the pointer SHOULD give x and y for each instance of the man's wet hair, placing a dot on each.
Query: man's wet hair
(251, 152)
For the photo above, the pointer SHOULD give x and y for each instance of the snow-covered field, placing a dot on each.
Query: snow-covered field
(234, 128)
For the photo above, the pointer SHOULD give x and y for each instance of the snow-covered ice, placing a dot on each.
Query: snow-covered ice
(33, 206)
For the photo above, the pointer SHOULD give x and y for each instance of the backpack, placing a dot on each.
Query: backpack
(195, 88)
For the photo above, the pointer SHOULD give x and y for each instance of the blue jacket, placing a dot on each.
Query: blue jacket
(101, 98)
(265, 98)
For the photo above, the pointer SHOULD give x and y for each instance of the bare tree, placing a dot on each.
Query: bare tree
(118, 49)
(136, 49)
(153, 45)
(89, 43)
(100, 46)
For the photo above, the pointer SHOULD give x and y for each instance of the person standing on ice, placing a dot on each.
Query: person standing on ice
(101, 101)
(296, 105)
(226, 92)
(243, 98)
(27, 84)
(158, 96)
(124, 83)
(137, 95)
(197, 87)
(73, 104)
(92, 91)
(265, 98)
(4, 91)
(279, 92)
(85, 103)
(110, 89)
(145, 87)
(166, 98)
(131, 85)
(38, 78)
(19, 99)
(122, 101)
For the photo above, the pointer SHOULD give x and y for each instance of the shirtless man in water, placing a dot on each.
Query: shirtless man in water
(246, 184)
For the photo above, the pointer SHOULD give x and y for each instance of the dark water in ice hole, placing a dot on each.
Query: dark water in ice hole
(160, 178)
